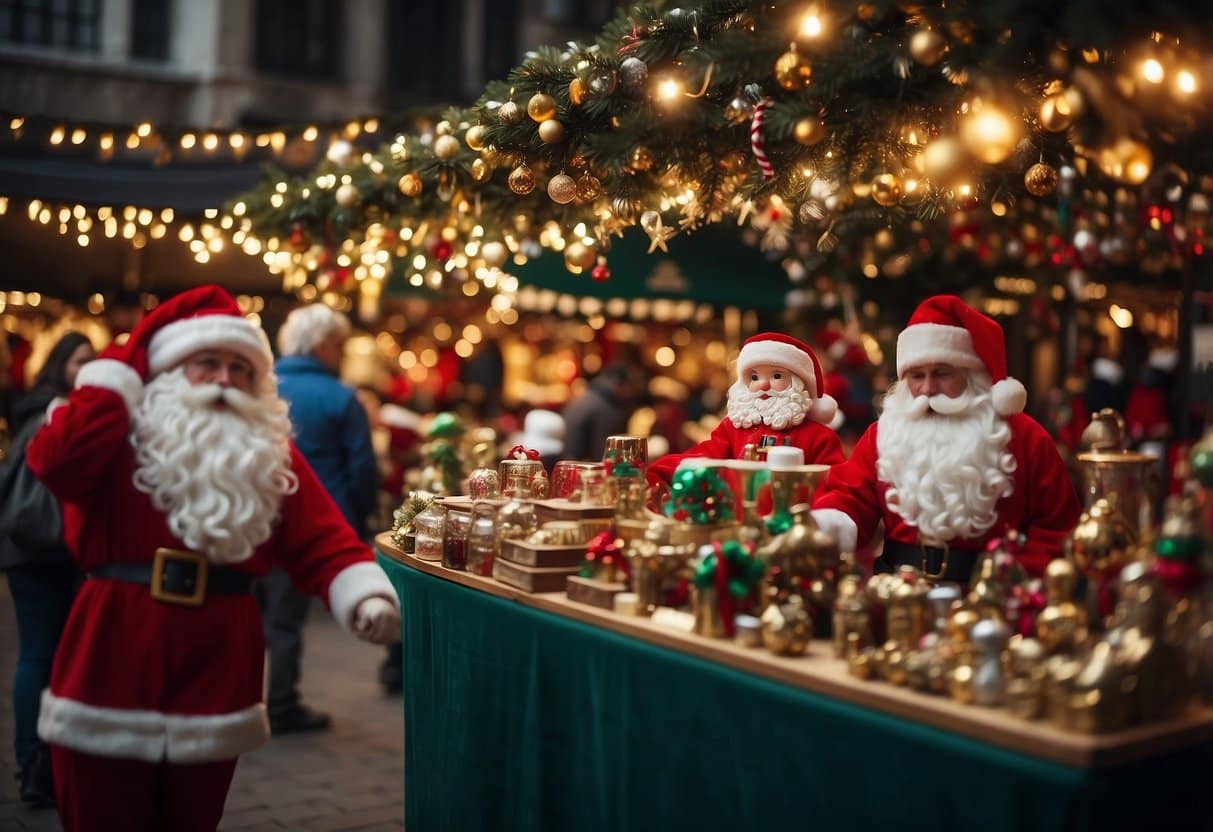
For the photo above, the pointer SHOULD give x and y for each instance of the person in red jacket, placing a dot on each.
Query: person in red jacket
(778, 399)
(180, 484)
(953, 461)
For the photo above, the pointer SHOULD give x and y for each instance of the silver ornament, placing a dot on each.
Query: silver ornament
(633, 72)
(739, 111)
(812, 210)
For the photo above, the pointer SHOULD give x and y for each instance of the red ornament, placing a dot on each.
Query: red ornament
(298, 238)
(601, 273)
(443, 250)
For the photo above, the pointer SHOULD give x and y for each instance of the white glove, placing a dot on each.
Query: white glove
(377, 620)
(838, 525)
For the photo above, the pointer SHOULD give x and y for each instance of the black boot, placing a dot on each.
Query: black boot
(37, 782)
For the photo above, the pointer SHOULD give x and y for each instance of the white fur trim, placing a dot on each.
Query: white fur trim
(1164, 358)
(838, 421)
(151, 736)
(936, 344)
(112, 375)
(838, 524)
(1105, 369)
(1009, 396)
(173, 343)
(781, 355)
(354, 584)
(823, 410)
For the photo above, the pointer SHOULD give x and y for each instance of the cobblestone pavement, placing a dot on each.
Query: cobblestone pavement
(349, 778)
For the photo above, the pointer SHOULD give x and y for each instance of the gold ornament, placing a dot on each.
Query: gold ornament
(576, 92)
(941, 158)
(641, 158)
(442, 128)
(476, 137)
(886, 189)
(578, 257)
(562, 188)
(551, 131)
(1055, 114)
(602, 81)
(928, 46)
(348, 196)
(588, 188)
(522, 180)
(510, 113)
(410, 184)
(989, 134)
(809, 131)
(481, 170)
(792, 70)
(738, 111)
(1040, 180)
(541, 107)
(446, 147)
(494, 253)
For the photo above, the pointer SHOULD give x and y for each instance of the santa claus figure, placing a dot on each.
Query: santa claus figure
(953, 461)
(180, 484)
(778, 399)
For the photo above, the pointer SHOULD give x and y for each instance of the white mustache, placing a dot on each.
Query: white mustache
(941, 404)
(205, 395)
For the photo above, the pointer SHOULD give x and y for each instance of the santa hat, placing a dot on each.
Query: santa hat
(785, 351)
(203, 318)
(946, 330)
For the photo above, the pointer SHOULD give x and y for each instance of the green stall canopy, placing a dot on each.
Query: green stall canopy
(711, 266)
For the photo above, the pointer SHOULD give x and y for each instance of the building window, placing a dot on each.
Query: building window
(68, 24)
(431, 67)
(300, 38)
(150, 29)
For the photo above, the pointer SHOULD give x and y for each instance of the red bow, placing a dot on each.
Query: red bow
(603, 551)
(519, 452)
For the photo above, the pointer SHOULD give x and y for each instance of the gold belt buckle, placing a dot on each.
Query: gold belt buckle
(943, 563)
(193, 599)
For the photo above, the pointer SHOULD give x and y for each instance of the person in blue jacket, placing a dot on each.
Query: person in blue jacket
(333, 433)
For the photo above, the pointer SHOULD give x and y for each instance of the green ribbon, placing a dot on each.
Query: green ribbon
(746, 570)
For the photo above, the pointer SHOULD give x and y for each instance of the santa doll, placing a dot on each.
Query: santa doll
(953, 461)
(180, 484)
(778, 399)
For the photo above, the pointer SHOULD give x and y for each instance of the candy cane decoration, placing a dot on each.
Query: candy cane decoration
(756, 143)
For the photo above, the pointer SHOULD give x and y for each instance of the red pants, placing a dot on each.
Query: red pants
(103, 794)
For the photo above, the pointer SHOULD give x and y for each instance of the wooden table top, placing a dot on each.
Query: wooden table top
(819, 672)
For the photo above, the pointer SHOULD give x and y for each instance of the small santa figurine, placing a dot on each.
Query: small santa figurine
(778, 399)
(953, 461)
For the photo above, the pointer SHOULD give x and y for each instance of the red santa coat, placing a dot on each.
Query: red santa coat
(821, 445)
(142, 679)
(1042, 504)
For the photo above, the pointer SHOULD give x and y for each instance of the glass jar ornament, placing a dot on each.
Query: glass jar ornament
(482, 540)
(430, 526)
(455, 540)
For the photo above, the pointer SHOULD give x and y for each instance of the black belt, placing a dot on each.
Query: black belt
(179, 577)
(935, 562)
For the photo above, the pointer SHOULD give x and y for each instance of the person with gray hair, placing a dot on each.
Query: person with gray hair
(333, 433)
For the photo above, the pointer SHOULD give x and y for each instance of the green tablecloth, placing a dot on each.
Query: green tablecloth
(521, 719)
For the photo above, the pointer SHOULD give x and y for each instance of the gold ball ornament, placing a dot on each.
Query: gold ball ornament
(928, 47)
(551, 131)
(481, 170)
(602, 81)
(809, 131)
(1055, 114)
(510, 113)
(562, 188)
(494, 253)
(442, 128)
(1040, 179)
(588, 188)
(522, 180)
(446, 147)
(541, 107)
(990, 135)
(886, 189)
(576, 92)
(578, 257)
(410, 184)
(641, 159)
(348, 196)
(792, 70)
(476, 137)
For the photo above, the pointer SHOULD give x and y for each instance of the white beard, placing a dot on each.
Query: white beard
(218, 474)
(945, 460)
(780, 410)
